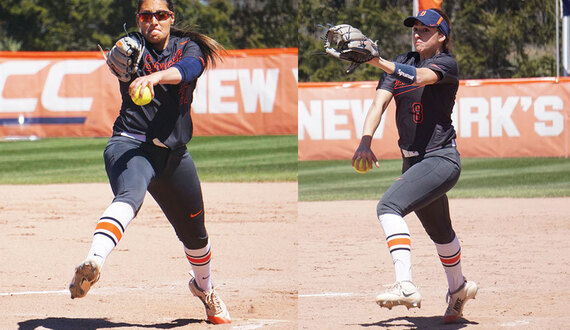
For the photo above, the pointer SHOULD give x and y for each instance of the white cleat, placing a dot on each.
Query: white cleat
(457, 301)
(400, 293)
(86, 274)
(216, 310)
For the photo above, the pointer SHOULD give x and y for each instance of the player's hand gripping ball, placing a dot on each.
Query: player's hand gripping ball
(144, 99)
(361, 166)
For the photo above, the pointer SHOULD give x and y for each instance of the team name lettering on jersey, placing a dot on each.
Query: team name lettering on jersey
(151, 65)
(398, 84)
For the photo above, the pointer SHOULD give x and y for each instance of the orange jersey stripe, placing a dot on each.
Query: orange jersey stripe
(110, 227)
(399, 241)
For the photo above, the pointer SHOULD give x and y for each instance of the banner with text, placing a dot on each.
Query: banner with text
(493, 118)
(62, 94)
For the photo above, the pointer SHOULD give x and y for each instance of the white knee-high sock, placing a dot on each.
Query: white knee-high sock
(200, 261)
(399, 243)
(109, 231)
(450, 256)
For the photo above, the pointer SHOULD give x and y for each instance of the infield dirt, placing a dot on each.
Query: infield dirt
(277, 264)
(515, 249)
(47, 230)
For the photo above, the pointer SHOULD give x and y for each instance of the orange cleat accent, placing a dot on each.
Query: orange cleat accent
(216, 310)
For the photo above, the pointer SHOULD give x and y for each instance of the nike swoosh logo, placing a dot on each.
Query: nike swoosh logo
(407, 294)
(193, 215)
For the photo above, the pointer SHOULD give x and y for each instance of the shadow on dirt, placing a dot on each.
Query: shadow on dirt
(64, 323)
(426, 322)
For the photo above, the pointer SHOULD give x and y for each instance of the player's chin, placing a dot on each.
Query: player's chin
(155, 37)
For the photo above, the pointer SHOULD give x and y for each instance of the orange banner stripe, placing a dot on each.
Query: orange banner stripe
(98, 55)
(469, 82)
(110, 227)
(399, 241)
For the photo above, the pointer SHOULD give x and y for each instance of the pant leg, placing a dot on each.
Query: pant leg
(129, 170)
(423, 183)
(178, 193)
(436, 220)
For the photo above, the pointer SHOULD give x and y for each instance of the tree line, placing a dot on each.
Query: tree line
(490, 38)
(79, 25)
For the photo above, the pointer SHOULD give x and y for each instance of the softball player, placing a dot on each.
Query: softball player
(147, 151)
(423, 84)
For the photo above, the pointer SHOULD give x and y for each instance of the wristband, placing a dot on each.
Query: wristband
(405, 73)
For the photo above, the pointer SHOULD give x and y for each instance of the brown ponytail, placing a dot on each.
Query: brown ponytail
(211, 49)
(447, 42)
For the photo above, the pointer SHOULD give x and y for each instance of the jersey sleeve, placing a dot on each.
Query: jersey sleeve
(192, 63)
(388, 81)
(191, 49)
(445, 66)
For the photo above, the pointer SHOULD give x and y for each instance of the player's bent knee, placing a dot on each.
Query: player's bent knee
(441, 236)
(194, 243)
(384, 207)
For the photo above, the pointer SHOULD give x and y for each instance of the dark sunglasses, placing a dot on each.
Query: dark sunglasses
(160, 15)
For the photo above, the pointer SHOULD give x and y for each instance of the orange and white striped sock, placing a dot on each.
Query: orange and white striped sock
(450, 256)
(200, 261)
(399, 243)
(109, 231)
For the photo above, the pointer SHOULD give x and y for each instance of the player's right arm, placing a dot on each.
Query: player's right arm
(381, 100)
(373, 117)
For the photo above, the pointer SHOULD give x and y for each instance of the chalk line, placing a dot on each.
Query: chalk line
(24, 293)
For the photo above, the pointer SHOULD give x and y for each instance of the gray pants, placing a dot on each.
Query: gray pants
(133, 167)
(422, 189)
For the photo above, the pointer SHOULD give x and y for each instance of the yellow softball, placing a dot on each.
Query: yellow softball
(146, 97)
(361, 167)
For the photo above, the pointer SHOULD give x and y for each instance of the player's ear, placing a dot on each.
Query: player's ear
(442, 37)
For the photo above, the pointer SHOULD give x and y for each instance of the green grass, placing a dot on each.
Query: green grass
(218, 159)
(274, 158)
(480, 178)
(245, 158)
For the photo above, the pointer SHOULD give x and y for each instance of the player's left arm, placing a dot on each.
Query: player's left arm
(185, 70)
(422, 76)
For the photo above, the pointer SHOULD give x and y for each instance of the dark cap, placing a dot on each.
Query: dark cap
(431, 18)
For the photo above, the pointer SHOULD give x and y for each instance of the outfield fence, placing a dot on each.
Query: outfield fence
(493, 118)
(73, 94)
(255, 92)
